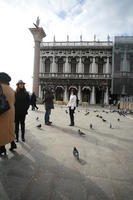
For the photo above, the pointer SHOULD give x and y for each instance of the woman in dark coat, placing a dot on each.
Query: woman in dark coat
(22, 103)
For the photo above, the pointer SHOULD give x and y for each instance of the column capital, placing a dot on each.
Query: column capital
(38, 34)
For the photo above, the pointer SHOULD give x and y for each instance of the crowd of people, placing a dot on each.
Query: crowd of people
(19, 103)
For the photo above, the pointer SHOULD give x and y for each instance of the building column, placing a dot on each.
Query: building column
(65, 98)
(67, 66)
(106, 96)
(94, 67)
(93, 96)
(80, 67)
(79, 95)
(53, 66)
(107, 71)
(38, 35)
(41, 65)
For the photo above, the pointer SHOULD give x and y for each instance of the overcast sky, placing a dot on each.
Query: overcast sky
(59, 18)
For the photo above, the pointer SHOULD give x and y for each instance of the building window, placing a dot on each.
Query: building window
(100, 68)
(86, 66)
(60, 65)
(47, 66)
(73, 65)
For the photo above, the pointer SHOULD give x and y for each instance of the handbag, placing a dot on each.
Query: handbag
(4, 104)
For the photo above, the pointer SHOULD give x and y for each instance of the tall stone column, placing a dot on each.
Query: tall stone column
(38, 34)
(79, 95)
(93, 96)
(106, 96)
(94, 67)
(65, 98)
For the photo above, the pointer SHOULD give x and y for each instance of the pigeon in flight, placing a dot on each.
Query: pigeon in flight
(80, 132)
(76, 153)
(104, 120)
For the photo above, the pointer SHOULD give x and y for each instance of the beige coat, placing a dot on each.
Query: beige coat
(7, 119)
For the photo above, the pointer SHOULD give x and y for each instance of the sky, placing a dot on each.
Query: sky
(59, 18)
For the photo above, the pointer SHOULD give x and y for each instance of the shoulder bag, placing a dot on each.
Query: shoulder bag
(4, 104)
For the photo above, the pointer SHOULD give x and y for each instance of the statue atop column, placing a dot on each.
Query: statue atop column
(37, 22)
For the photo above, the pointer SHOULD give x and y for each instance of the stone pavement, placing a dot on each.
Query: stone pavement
(44, 168)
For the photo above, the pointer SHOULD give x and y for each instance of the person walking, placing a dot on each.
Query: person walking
(22, 103)
(49, 104)
(7, 134)
(72, 106)
(33, 101)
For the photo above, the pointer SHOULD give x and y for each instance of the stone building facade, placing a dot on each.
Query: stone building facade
(85, 66)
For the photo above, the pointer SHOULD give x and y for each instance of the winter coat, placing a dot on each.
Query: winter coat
(33, 99)
(22, 102)
(7, 118)
(48, 100)
(72, 101)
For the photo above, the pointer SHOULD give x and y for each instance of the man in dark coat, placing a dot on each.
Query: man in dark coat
(33, 101)
(22, 103)
(49, 104)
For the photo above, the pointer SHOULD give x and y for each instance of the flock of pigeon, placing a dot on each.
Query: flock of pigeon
(81, 133)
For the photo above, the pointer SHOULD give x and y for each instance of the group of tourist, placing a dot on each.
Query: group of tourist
(19, 102)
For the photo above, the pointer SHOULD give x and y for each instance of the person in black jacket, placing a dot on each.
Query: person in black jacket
(22, 103)
(33, 101)
(49, 104)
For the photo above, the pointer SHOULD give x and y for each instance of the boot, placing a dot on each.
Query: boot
(17, 136)
(23, 138)
(13, 146)
(2, 150)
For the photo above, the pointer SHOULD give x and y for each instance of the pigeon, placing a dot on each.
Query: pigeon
(39, 126)
(118, 119)
(87, 113)
(110, 125)
(37, 118)
(78, 111)
(76, 153)
(66, 111)
(97, 115)
(91, 126)
(104, 120)
(80, 132)
(100, 116)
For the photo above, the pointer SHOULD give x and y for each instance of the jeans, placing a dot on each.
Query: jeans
(71, 113)
(47, 115)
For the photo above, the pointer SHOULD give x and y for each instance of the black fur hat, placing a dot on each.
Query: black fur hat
(4, 78)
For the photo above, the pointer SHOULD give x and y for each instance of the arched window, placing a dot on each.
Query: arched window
(86, 66)
(100, 66)
(60, 65)
(73, 65)
(47, 65)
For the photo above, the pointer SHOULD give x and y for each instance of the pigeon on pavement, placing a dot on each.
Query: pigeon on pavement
(80, 132)
(76, 153)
